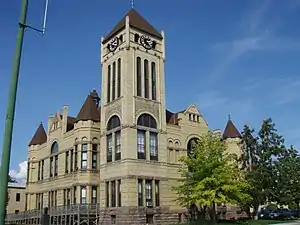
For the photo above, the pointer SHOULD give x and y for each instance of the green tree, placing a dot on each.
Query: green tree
(211, 176)
(261, 153)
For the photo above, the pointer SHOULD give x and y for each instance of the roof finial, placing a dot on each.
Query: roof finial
(229, 117)
(132, 4)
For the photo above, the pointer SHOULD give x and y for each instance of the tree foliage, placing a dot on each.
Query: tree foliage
(211, 175)
(261, 154)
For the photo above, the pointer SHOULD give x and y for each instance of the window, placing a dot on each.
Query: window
(65, 196)
(108, 83)
(16, 211)
(42, 170)
(84, 156)
(119, 79)
(39, 171)
(153, 79)
(140, 192)
(146, 120)
(114, 81)
(51, 167)
(191, 146)
(157, 202)
(76, 158)
(118, 145)
(67, 162)
(18, 197)
(55, 198)
(139, 76)
(114, 122)
(113, 194)
(83, 195)
(109, 148)
(71, 160)
(120, 194)
(74, 195)
(149, 193)
(153, 146)
(94, 195)
(94, 156)
(107, 193)
(68, 196)
(136, 37)
(146, 78)
(141, 136)
(54, 148)
(56, 165)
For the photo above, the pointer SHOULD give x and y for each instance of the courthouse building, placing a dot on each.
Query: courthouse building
(117, 159)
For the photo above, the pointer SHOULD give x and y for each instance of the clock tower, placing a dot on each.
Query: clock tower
(133, 112)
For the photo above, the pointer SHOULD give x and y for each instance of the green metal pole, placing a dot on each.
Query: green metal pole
(10, 114)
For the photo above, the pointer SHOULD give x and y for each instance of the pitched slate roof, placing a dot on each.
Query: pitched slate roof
(89, 110)
(136, 21)
(231, 131)
(39, 136)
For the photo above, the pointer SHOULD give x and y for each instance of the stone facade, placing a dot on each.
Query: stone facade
(123, 153)
(16, 202)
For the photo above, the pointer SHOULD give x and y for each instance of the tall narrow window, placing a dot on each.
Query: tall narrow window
(56, 165)
(140, 192)
(28, 172)
(51, 167)
(84, 156)
(39, 171)
(94, 156)
(141, 136)
(139, 76)
(113, 194)
(69, 196)
(67, 162)
(157, 202)
(118, 145)
(119, 194)
(74, 195)
(153, 80)
(42, 170)
(65, 196)
(153, 146)
(83, 195)
(94, 195)
(71, 160)
(55, 198)
(146, 78)
(107, 193)
(114, 81)
(109, 147)
(108, 83)
(76, 158)
(119, 78)
(149, 201)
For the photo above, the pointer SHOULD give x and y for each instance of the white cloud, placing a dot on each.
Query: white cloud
(22, 173)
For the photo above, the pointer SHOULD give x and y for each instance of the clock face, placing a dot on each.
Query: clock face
(112, 46)
(146, 42)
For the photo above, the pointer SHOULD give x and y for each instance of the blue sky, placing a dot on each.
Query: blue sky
(235, 57)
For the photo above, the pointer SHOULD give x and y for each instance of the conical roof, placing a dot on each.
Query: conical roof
(135, 21)
(88, 111)
(231, 131)
(39, 136)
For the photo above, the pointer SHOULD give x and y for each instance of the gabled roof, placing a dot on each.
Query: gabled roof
(231, 131)
(88, 111)
(135, 21)
(39, 136)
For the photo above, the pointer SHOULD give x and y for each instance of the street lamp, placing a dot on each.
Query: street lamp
(10, 114)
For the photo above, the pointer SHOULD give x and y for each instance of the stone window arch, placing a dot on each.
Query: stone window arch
(54, 147)
(113, 139)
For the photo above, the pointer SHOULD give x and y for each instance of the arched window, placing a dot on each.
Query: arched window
(54, 148)
(113, 123)
(153, 80)
(191, 145)
(113, 81)
(108, 83)
(146, 120)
